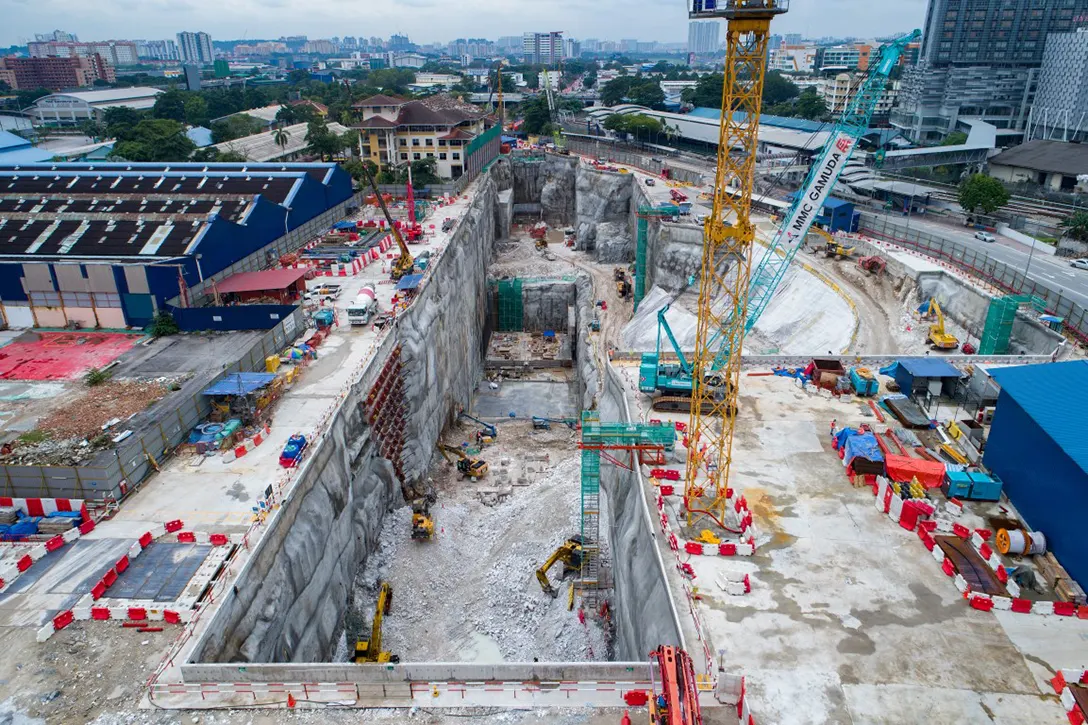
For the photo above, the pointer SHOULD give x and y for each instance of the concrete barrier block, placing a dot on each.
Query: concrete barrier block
(45, 632)
(71, 534)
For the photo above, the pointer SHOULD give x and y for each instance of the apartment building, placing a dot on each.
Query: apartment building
(195, 47)
(459, 136)
(55, 73)
(114, 52)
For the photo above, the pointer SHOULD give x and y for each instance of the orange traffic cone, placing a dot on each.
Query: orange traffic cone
(290, 700)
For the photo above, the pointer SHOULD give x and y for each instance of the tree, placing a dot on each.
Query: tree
(1076, 226)
(777, 88)
(155, 139)
(288, 115)
(809, 105)
(983, 193)
(648, 93)
(170, 105)
(25, 98)
(590, 78)
(538, 119)
(237, 126)
(391, 80)
(707, 92)
(281, 136)
(954, 139)
(196, 110)
(92, 128)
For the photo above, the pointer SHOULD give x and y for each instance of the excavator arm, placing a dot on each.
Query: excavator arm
(404, 264)
(371, 650)
(570, 553)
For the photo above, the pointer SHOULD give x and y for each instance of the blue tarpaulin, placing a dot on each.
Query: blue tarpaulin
(410, 281)
(345, 225)
(862, 445)
(240, 384)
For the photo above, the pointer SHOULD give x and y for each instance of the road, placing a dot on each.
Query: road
(1044, 268)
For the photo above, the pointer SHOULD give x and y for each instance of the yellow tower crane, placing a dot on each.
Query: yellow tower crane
(727, 246)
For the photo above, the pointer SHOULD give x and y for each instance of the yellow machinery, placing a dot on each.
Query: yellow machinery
(367, 651)
(404, 264)
(832, 247)
(727, 251)
(422, 521)
(623, 284)
(570, 553)
(938, 338)
(473, 468)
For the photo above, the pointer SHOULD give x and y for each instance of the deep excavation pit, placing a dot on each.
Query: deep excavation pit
(308, 587)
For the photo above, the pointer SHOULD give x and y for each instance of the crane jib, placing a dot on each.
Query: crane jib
(809, 205)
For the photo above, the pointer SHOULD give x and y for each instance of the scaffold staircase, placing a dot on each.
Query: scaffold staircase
(999, 319)
(622, 444)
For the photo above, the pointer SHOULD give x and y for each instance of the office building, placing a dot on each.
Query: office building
(980, 59)
(572, 48)
(773, 43)
(1060, 111)
(591, 45)
(542, 48)
(838, 57)
(793, 59)
(55, 73)
(794, 39)
(703, 37)
(839, 90)
(195, 47)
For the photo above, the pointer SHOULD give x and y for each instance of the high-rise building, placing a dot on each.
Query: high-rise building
(157, 50)
(1060, 111)
(399, 42)
(591, 45)
(116, 52)
(774, 42)
(57, 36)
(839, 57)
(571, 48)
(543, 48)
(629, 45)
(703, 37)
(195, 47)
(980, 59)
(55, 73)
(794, 39)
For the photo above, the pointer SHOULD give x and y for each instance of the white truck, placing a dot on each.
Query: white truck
(363, 308)
(323, 293)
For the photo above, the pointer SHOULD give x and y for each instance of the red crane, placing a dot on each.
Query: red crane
(413, 230)
(676, 702)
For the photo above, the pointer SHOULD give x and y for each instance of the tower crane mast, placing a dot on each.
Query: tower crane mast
(727, 247)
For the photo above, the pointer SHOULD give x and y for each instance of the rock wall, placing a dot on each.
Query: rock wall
(546, 305)
(603, 214)
(549, 183)
(644, 613)
(674, 253)
(289, 601)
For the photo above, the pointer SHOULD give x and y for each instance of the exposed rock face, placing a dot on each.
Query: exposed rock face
(1069, 247)
(674, 253)
(289, 603)
(603, 214)
(546, 305)
(547, 186)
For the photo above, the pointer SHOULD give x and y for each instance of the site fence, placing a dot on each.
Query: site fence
(606, 149)
(114, 472)
(977, 264)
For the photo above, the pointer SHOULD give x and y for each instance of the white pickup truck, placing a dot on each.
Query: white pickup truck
(323, 293)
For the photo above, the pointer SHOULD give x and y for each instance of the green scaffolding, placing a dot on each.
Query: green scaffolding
(511, 308)
(999, 319)
(621, 443)
(644, 214)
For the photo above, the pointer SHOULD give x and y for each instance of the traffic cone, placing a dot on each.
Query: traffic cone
(291, 702)
(626, 719)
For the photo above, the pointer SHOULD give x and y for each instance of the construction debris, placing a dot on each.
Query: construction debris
(89, 415)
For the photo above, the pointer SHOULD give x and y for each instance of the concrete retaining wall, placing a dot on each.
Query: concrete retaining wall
(289, 601)
(645, 614)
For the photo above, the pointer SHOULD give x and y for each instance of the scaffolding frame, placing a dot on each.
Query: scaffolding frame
(1000, 316)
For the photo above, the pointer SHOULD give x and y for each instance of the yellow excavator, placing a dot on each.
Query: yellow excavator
(422, 521)
(938, 338)
(474, 468)
(404, 264)
(570, 553)
(831, 247)
(370, 651)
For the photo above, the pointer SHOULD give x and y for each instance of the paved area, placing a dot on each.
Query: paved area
(61, 355)
(526, 398)
(161, 572)
(849, 619)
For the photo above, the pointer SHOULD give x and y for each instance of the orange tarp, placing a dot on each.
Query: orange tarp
(903, 468)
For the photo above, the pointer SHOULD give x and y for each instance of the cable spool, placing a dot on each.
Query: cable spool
(1019, 542)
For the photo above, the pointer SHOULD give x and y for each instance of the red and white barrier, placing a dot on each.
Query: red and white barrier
(46, 506)
(247, 445)
(1061, 682)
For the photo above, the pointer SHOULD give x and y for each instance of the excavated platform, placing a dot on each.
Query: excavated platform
(849, 619)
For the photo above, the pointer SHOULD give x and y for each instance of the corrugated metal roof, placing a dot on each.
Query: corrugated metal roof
(929, 367)
(8, 140)
(1055, 396)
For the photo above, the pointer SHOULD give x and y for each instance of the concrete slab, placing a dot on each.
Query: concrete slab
(553, 399)
(59, 580)
(849, 619)
(161, 572)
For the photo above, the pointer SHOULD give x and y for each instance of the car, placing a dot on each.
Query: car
(985, 237)
(650, 182)
(1079, 263)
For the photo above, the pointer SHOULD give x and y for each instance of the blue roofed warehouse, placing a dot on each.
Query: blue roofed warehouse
(1038, 448)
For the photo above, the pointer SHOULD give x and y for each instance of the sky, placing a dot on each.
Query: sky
(425, 21)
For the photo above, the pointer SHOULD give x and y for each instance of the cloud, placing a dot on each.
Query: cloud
(606, 19)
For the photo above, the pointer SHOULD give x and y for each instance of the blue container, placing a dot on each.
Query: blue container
(984, 487)
(957, 484)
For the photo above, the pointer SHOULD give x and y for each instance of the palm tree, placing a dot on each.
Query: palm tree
(280, 136)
